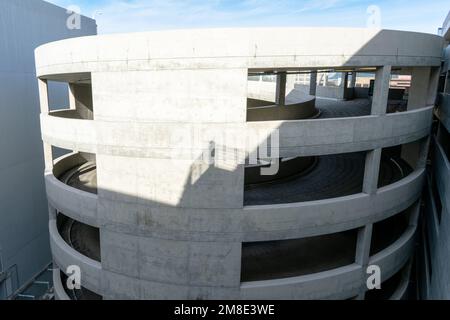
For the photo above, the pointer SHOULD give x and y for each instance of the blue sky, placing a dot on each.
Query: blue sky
(145, 15)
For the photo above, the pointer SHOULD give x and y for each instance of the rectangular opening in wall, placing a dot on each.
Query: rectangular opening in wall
(58, 95)
(59, 152)
(82, 98)
(389, 230)
(399, 161)
(78, 171)
(84, 238)
(291, 258)
(300, 179)
(72, 95)
(399, 86)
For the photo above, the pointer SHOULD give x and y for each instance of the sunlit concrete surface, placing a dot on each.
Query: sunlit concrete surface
(154, 221)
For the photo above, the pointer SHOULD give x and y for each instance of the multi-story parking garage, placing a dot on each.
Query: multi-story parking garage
(148, 209)
(434, 249)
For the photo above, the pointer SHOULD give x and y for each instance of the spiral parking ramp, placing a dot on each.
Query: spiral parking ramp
(171, 228)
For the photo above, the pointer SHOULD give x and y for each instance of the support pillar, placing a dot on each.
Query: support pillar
(281, 89)
(381, 90)
(313, 83)
(371, 171)
(43, 95)
(363, 255)
(353, 82)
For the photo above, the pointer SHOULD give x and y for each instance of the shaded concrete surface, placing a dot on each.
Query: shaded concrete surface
(331, 176)
(388, 288)
(334, 176)
(82, 237)
(340, 109)
(82, 294)
(290, 258)
(82, 177)
(387, 231)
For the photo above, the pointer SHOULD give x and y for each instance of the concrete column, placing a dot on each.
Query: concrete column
(43, 95)
(363, 254)
(281, 89)
(353, 83)
(313, 83)
(48, 157)
(381, 90)
(72, 99)
(418, 93)
(371, 171)
(344, 94)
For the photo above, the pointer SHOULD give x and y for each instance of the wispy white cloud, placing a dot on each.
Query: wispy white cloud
(143, 15)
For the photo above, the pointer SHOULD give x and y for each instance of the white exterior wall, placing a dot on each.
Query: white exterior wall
(24, 241)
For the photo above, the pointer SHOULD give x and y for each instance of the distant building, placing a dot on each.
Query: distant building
(24, 242)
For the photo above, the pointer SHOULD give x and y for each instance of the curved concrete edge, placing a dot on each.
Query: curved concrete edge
(443, 111)
(302, 110)
(392, 259)
(352, 134)
(65, 256)
(255, 48)
(306, 219)
(402, 289)
(60, 293)
(297, 138)
(267, 223)
(76, 204)
(340, 283)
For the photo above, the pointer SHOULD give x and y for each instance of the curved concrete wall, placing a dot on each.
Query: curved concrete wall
(64, 256)
(341, 283)
(302, 110)
(297, 138)
(173, 226)
(77, 204)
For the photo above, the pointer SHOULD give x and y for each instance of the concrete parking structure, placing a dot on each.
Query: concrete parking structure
(171, 215)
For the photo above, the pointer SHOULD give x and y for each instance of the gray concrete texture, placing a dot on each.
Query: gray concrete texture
(175, 227)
